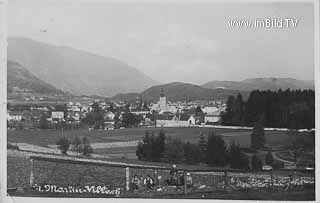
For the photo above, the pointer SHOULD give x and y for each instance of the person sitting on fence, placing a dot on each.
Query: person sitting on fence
(148, 182)
(188, 180)
(135, 182)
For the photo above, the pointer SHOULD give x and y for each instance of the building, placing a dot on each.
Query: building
(14, 116)
(171, 120)
(57, 115)
(109, 115)
(212, 114)
(163, 105)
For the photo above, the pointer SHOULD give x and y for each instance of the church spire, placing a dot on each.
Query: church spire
(162, 93)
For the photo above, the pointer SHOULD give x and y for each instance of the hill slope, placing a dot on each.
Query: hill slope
(20, 79)
(177, 91)
(76, 71)
(262, 84)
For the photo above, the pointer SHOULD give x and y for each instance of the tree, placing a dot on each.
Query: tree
(76, 145)
(229, 113)
(269, 159)
(237, 158)
(216, 151)
(130, 119)
(86, 146)
(95, 117)
(173, 152)
(257, 136)
(158, 146)
(202, 144)
(145, 148)
(191, 153)
(238, 110)
(63, 144)
(256, 163)
(43, 123)
(198, 111)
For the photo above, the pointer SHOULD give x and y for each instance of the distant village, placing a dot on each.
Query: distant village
(107, 115)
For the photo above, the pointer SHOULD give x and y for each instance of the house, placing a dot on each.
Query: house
(169, 120)
(192, 120)
(14, 116)
(109, 124)
(212, 115)
(109, 115)
(57, 115)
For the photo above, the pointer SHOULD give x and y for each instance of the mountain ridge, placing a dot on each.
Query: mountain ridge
(179, 91)
(19, 79)
(77, 71)
(261, 83)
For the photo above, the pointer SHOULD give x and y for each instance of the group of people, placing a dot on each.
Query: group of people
(140, 183)
(176, 178)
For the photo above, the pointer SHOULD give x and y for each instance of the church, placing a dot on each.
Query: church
(162, 106)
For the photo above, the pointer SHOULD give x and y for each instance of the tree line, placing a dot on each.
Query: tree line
(210, 150)
(294, 109)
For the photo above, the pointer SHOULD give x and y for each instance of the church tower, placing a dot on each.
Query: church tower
(163, 101)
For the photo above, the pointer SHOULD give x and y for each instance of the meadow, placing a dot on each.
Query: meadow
(49, 137)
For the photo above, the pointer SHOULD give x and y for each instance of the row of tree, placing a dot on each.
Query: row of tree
(212, 151)
(80, 146)
(294, 109)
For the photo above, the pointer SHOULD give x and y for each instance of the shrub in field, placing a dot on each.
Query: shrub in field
(86, 147)
(77, 145)
(63, 144)
(43, 123)
(11, 146)
(269, 158)
(256, 163)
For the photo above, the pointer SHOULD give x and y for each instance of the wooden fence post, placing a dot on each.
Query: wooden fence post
(185, 182)
(127, 179)
(225, 180)
(31, 177)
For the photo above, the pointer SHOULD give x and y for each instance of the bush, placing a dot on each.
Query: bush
(269, 159)
(86, 147)
(256, 163)
(77, 145)
(63, 145)
(43, 123)
(11, 146)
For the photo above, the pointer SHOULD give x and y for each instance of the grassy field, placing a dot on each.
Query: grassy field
(50, 137)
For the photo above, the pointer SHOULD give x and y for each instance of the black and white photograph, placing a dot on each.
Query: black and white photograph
(161, 100)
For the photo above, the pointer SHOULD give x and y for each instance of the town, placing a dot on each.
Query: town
(107, 115)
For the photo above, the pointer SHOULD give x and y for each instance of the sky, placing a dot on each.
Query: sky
(174, 41)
